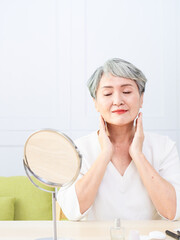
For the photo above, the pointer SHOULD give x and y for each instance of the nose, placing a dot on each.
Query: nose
(118, 100)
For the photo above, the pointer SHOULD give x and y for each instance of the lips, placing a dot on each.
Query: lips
(120, 111)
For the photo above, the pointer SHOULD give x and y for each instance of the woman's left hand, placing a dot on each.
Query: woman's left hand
(135, 148)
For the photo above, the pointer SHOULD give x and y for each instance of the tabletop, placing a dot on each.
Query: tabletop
(31, 230)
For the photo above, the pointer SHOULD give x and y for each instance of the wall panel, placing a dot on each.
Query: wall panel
(49, 48)
(29, 66)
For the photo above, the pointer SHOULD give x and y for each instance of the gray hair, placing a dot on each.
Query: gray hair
(119, 68)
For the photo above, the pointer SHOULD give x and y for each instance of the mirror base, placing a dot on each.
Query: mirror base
(53, 239)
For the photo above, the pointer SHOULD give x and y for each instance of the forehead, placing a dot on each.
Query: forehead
(113, 81)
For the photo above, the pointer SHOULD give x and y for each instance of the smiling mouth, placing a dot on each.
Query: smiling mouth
(120, 111)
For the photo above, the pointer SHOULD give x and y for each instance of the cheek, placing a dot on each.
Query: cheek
(136, 100)
(135, 104)
(99, 105)
(104, 103)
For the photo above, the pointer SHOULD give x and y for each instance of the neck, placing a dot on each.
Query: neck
(121, 134)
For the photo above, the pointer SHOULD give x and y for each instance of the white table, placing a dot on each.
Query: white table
(31, 230)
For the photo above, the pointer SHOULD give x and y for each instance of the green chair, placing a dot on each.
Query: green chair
(21, 200)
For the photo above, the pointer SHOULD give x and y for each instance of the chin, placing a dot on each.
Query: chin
(121, 123)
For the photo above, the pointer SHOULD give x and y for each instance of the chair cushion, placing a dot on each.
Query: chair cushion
(7, 208)
(31, 203)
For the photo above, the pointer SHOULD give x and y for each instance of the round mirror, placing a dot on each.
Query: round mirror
(52, 158)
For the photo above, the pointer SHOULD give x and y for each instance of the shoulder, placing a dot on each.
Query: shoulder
(88, 146)
(155, 139)
(87, 139)
(157, 146)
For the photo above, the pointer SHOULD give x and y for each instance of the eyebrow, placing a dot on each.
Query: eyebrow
(123, 85)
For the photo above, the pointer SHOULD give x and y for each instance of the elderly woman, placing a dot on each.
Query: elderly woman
(126, 173)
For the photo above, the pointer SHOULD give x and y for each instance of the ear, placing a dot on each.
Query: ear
(141, 100)
(95, 104)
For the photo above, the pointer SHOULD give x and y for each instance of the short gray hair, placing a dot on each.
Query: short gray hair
(120, 68)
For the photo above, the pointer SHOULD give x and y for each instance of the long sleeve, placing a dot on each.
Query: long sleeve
(67, 197)
(169, 169)
(68, 201)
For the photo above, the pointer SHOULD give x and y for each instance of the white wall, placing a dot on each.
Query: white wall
(49, 48)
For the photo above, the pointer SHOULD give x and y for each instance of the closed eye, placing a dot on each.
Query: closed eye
(126, 92)
(108, 94)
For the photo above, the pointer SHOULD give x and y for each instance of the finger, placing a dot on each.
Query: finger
(139, 122)
(136, 121)
(102, 124)
(136, 124)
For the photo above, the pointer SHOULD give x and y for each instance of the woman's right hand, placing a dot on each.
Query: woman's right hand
(106, 146)
(87, 187)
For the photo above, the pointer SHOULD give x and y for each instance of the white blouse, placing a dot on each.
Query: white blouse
(124, 196)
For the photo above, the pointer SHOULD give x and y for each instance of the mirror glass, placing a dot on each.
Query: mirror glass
(52, 158)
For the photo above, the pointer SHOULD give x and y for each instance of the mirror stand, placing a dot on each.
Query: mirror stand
(54, 219)
(53, 159)
(54, 214)
(27, 170)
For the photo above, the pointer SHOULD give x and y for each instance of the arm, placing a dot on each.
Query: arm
(87, 187)
(161, 192)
